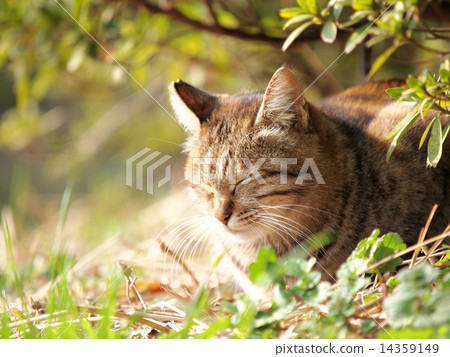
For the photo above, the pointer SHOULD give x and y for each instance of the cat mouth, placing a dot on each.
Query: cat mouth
(233, 230)
(241, 236)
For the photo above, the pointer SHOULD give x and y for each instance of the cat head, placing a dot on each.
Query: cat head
(252, 159)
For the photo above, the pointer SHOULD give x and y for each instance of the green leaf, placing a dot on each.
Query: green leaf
(445, 132)
(400, 130)
(381, 59)
(417, 300)
(227, 19)
(363, 5)
(415, 83)
(444, 75)
(425, 133)
(311, 5)
(266, 270)
(355, 18)
(430, 81)
(23, 91)
(389, 244)
(410, 95)
(299, 267)
(337, 10)
(435, 144)
(329, 32)
(356, 38)
(325, 12)
(291, 12)
(373, 249)
(319, 240)
(376, 39)
(395, 93)
(297, 19)
(403, 123)
(317, 295)
(215, 327)
(294, 34)
(409, 333)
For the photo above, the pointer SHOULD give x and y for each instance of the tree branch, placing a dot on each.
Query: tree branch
(212, 14)
(214, 27)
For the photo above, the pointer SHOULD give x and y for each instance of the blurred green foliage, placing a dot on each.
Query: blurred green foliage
(83, 87)
(426, 92)
(80, 80)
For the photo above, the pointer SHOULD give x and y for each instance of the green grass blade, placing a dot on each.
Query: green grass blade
(9, 246)
(63, 211)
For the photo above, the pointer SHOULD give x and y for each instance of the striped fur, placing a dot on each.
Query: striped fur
(342, 135)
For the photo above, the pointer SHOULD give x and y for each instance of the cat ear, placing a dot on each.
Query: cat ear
(283, 103)
(192, 106)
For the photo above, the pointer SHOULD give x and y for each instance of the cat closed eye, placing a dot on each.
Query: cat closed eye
(242, 182)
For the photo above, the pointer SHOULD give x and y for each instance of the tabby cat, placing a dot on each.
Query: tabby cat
(299, 168)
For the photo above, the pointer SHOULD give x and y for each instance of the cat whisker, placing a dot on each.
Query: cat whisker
(195, 225)
(291, 222)
(287, 206)
(185, 244)
(199, 243)
(308, 236)
(291, 229)
(286, 225)
(278, 229)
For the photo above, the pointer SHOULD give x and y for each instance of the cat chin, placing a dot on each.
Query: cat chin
(232, 235)
(242, 237)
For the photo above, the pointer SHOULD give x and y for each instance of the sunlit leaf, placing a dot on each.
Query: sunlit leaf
(311, 5)
(294, 34)
(291, 12)
(363, 4)
(337, 10)
(377, 38)
(355, 18)
(297, 19)
(444, 74)
(329, 32)
(395, 93)
(356, 38)
(403, 123)
(415, 83)
(266, 269)
(435, 143)
(381, 59)
(425, 133)
(410, 119)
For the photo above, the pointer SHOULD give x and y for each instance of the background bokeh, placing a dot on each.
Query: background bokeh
(69, 114)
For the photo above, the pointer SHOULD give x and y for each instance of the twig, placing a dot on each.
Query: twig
(436, 244)
(211, 12)
(431, 257)
(144, 320)
(130, 279)
(423, 233)
(425, 48)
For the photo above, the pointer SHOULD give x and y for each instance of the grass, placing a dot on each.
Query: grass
(60, 296)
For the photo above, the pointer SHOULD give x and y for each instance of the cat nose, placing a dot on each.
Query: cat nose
(223, 217)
